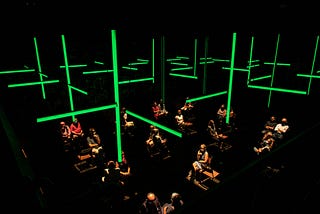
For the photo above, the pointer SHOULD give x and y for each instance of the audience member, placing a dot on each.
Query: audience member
(151, 205)
(265, 144)
(281, 129)
(270, 124)
(175, 204)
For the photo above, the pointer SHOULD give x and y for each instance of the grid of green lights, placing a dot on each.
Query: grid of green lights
(177, 61)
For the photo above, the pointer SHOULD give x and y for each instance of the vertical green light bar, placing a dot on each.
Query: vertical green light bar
(152, 60)
(205, 67)
(116, 93)
(314, 59)
(250, 59)
(195, 57)
(39, 67)
(163, 71)
(67, 73)
(273, 69)
(234, 38)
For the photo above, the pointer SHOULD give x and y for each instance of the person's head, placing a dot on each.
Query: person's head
(92, 131)
(284, 121)
(111, 164)
(62, 123)
(273, 118)
(176, 200)
(203, 147)
(75, 121)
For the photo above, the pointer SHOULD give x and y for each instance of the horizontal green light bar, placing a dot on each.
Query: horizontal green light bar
(17, 71)
(144, 60)
(207, 62)
(203, 58)
(100, 63)
(79, 90)
(183, 57)
(222, 60)
(260, 78)
(138, 63)
(178, 63)
(58, 116)
(41, 74)
(32, 83)
(206, 96)
(174, 59)
(171, 131)
(96, 72)
(136, 80)
(236, 69)
(73, 66)
(178, 69)
(251, 66)
(307, 75)
(184, 76)
(271, 63)
(277, 89)
(257, 60)
(129, 68)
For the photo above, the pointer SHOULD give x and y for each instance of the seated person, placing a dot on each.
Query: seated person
(270, 124)
(216, 134)
(151, 204)
(76, 129)
(126, 125)
(155, 110)
(94, 142)
(281, 129)
(181, 123)
(222, 112)
(156, 143)
(65, 132)
(265, 144)
(202, 163)
(163, 110)
(175, 205)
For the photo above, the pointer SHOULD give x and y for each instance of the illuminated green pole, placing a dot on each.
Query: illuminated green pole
(67, 74)
(195, 57)
(250, 60)
(163, 71)
(273, 69)
(234, 38)
(152, 60)
(116, 93)
(39, 68)
(205, 67)
(314, 59)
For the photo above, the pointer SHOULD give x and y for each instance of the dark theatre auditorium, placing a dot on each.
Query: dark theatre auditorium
(160, 108)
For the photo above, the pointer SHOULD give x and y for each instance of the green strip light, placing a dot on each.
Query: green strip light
(236, 69)
(32, 83)
(116, 93)
(308, 75)
(272, 63)
(73, 66)
(79, 90)
(178, 63)
(136, 80)
(129, 68)
(260, 78)
(179, 69)
(97, 72)
(17, 71)
(277, 89)
(206, 96)
(79, 112)
(184, 76)
(100, 63)
(171, 131)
